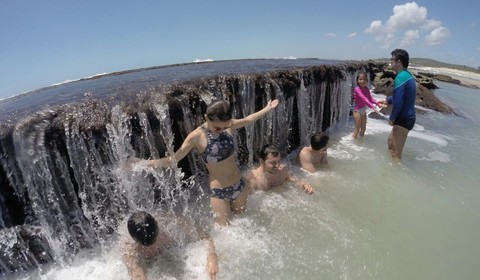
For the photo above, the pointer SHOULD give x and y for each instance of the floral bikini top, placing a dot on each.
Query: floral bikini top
(219, 146)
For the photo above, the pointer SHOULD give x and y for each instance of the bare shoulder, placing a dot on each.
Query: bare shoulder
(195, 137)
(305, 155)
(250, 175)
(196, 133)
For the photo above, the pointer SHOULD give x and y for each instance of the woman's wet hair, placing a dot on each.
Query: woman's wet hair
(142, 228)
(319, 140)
(219, 111)
(268, 149)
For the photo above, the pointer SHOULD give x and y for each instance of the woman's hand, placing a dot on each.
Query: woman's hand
(130, 163)
(272, 103)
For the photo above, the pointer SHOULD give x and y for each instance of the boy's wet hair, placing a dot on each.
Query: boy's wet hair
(143, 228)
(268, 149)
(401, 55)
(219, 110)
(319, 140)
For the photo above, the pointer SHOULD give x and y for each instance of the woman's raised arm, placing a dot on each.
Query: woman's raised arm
(238, 123)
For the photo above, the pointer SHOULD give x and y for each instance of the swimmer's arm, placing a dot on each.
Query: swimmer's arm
(190, 142)
(238, 123)
(304, 185)
(135, 270)
(212, 262)
(195, 233)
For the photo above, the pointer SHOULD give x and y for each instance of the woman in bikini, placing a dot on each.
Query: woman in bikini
(214, 141)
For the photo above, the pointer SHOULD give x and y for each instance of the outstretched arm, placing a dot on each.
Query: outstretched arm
(212, 262)
(187, 145)
(135, 270)
(195, 233)
(238, 123)
(304, 185)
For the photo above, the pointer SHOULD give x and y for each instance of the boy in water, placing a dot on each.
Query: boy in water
(149, 237)
(315, 154)
(271, 173)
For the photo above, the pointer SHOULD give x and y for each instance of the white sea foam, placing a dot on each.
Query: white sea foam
(436, 156)
(375, 126)
(85, 78)
(435, 138)
(418, 127)
(107, 266)
(197, 60)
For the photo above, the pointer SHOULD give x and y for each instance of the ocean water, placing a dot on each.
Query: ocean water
(369, 218)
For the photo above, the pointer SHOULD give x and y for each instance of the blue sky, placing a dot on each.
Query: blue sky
(52, 41)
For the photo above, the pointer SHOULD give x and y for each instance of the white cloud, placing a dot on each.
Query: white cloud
(412, 20)
(437, 36)
(406, 16)
(409, 38)
(331, 34)
(375, 27)
(478, 49)
(430, 24)
(352, 35)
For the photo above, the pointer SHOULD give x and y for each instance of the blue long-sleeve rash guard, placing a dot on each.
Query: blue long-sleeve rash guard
(403, 98)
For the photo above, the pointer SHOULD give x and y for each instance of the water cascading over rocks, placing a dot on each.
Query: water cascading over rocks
(62, 185)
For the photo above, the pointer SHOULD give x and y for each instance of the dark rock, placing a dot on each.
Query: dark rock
(388, 74)
(384, 86)
(425, 81)
(427, 99)
(441, 77)
(30, 249)
(383, 83)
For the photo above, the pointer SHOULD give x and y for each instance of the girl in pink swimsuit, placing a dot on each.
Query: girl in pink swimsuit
(362, 99)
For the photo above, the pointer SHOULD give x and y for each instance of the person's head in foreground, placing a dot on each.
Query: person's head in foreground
(143, 228)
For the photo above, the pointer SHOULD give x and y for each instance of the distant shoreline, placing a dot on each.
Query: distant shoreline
(467, 78)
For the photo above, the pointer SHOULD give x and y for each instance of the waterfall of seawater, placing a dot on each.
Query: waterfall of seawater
(65, 165)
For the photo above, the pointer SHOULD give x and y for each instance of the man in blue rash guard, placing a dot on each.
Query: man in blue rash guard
(402, 117)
